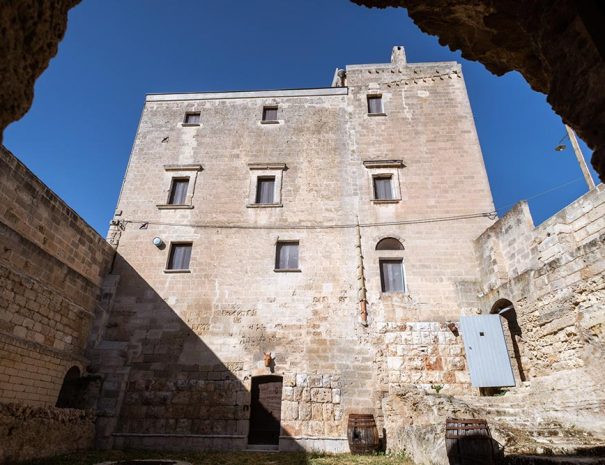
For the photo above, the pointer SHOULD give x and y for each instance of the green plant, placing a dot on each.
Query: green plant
(437, 387)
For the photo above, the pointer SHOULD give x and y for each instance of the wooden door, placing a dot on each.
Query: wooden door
(265, 410)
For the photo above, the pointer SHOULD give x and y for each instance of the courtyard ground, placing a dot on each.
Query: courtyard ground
(225, 458)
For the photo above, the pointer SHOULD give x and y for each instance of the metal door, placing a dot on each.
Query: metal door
(265, 410)
(486, 351)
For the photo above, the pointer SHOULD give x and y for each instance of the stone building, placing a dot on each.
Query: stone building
(279, 260)
(328, 232)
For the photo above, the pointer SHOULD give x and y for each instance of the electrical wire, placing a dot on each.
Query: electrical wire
(540, 194)
(491, 215)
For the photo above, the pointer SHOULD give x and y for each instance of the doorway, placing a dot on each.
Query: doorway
(265, 410)
(512, 333)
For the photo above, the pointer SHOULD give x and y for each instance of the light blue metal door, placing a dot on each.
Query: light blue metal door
(486, 352)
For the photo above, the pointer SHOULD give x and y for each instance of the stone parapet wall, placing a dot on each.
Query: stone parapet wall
(52, 265)
(554, 274)
(36, 432)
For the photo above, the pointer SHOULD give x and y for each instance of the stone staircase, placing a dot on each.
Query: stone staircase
(529, 433)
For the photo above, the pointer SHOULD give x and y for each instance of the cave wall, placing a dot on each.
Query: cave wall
(31, 31)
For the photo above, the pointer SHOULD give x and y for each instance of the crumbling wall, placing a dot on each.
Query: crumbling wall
(36, 432)
(554, 275)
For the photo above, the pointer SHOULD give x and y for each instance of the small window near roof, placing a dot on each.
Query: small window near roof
(178, 191)
(265, 189)
(192, 118)
(270, 114)
(286, 257)
(180, 255)
(375, 105)
(383, 190)
(391, 275)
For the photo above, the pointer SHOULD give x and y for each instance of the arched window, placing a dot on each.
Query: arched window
(69, 397)
(389, 243)
(392, 275)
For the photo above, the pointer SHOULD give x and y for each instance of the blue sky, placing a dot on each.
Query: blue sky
(78, 134)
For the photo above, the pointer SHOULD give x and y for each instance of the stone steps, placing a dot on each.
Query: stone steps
(547, 460)
(525, 432)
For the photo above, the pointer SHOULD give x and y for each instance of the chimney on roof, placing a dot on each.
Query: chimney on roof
(398, 55)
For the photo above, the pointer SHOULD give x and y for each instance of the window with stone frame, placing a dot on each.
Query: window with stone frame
(179, 256)
(286, 256)
(375, 105)
(192, 118)
(390, 263)
(265, 190)
(392, 277)
(383, 187)
(178, 191)
(270, 114)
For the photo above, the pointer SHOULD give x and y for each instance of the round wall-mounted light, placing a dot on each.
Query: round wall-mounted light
(158, 242)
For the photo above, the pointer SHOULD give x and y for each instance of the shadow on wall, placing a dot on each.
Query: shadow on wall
(164, 388)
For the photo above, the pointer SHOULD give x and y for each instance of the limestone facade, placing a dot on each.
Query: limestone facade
(179, 350)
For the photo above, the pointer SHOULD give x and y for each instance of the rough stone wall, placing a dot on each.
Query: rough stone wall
(553, 274)
(36, 432)
(557, 46)
(31, 32)
(179, 349)
(51, 267)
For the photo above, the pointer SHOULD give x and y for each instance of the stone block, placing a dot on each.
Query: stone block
(321, 395)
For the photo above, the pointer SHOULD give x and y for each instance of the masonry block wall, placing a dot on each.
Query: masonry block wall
(51, 268)
(182, 349)
(554, 274)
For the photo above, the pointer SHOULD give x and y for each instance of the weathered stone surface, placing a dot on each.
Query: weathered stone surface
(36, 432)
(165, 329)
(556, 46)
(31, 32)
(52, 267)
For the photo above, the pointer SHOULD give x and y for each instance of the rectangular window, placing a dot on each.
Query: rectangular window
(286, 257)
(180, 254)
(265, 189)
(269, 113)
(375, 104)
(391, 275)
(192, 118)
(178, 191)
(383, 190)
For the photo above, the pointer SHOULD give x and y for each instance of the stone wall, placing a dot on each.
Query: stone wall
(554, 275)
(180, 350)
(36, 432)
(52, 265)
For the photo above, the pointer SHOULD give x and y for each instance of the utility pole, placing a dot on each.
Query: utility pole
(580, 157)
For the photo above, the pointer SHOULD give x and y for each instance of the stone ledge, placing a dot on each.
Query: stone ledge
(169, 206)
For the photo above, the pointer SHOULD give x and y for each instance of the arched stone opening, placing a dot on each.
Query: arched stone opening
(70, 394)
(512, 333)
